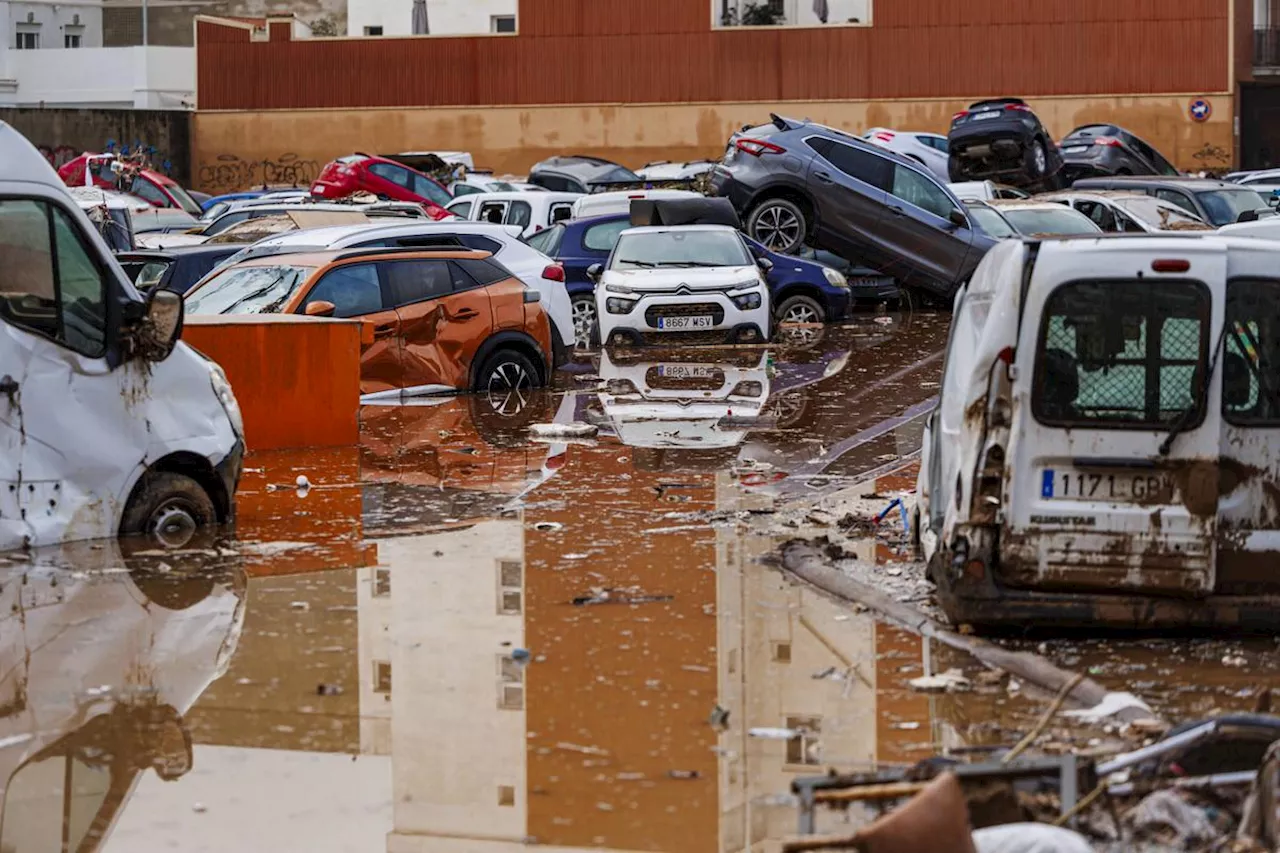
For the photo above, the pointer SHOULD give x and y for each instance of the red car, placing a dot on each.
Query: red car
(382, 177)
(153, 187)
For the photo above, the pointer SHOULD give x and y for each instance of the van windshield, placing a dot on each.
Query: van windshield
(1251, 353)
(248, 290)
(1122, 354)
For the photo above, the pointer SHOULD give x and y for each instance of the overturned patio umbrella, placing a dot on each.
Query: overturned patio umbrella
(420, 26)
(821, 10)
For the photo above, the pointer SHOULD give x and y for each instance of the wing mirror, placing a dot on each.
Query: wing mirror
(319, 308)
(595, 271)
(1247, 216)
(958, 218)
(765, 265)
(161, 326)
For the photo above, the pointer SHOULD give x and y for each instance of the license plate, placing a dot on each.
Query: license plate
(685, 371)
(685, 324)
(982, 116)
(869, 281)
(1072, 484)
(1075, 149)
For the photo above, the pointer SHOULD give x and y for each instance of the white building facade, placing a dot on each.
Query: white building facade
(444, 17)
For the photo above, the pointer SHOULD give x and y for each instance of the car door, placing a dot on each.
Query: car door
(390, 180)
(356, 293)
(520, 213)
(850, 186)
(593, 247)
(1099, 214)
(444, 318)
(462, 208)
(925, 244)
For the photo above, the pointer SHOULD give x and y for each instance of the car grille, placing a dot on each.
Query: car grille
(696, 309)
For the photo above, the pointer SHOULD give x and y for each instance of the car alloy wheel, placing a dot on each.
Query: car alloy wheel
(584, 320)
(777, 227)
(509, 388)
(800, 313)
(1040, 158)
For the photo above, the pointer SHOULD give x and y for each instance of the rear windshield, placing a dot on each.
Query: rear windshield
(613, 174)
(248, 290)
(1091, 130)
(1251, 353)
(185, 201)
(1049, 223)
(1121, 354)
(1225, 206)
(679, 249)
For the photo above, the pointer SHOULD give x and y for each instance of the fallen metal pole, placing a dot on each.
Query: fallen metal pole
(1169, 744)
(1238, 777)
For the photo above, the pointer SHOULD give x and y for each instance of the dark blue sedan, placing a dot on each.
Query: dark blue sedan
(802, 291)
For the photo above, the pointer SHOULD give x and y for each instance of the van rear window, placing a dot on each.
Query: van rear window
(1251, 353)
(1122, 354)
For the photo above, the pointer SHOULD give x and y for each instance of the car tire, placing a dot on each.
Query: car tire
(585, 325)
(779, 224)
(505, 371)
(169, 508)
(1037, 162)
(799, 309)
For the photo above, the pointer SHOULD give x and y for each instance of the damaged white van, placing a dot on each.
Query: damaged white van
(1106, 449)
(107, 423)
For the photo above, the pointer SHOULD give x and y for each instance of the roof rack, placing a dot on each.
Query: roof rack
(347, 254)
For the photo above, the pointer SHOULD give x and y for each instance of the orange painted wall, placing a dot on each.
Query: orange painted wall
(297, 378)
(632, 683)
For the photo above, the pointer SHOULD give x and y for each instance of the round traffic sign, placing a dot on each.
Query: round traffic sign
(1200, 109)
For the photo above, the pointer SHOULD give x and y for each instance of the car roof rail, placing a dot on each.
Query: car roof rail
(380, 251)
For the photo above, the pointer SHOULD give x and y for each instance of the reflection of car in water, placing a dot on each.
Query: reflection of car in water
(99, 670)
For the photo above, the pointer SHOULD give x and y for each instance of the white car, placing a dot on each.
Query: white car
(533, 212)
(619, 201)
(502, 241)
(661, 282)
(927, 149)
(473, 183)
(664, 170)
(984, 191)
(1129, 212)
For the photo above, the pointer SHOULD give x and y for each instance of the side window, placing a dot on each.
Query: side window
(1127, 226)
(354, 291)
(394, 174)
(51, 284)
(225, 222)
(862, 165)
(547, 242)
(520, 214)
(1121, 354)
(148, 191)
(1179, 198)
(460, 190)
(461, 278)
(602, 238)
(429, 242)
(461, 209)
(914, 188)
(492, 211)
(486, 271)
(480, 243)
(1251, 354)
(429, 189)
(560, 212)
(557, 184)
(1099, 213)
(408, 282)
(938, 143)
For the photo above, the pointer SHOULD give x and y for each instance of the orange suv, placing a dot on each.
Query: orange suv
(442, 320)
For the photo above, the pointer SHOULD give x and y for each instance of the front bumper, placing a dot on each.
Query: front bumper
(729, 322)
(228, 472)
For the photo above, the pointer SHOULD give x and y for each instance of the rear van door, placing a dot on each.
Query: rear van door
(1111, 360)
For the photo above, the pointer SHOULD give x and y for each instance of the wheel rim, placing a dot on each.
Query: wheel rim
(509, 388)
(1042, 162)
(584, 319)
(173, 524)
(777, 227)
(801, 314)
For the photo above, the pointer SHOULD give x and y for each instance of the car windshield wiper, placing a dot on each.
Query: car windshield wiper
(689, 264)
(636, 263)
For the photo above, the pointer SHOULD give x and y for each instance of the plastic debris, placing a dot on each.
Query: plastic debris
(574, 430)
(951, 681)
(1111, 704)
(1029, 838)
(1170, 818)
(773, 734)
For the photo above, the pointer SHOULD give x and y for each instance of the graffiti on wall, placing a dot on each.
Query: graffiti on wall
(59, 155)
(228, 173)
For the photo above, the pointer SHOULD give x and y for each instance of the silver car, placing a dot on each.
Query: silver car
(928, 149)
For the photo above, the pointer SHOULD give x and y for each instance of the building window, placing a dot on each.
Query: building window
(71, 40)
(28, 40)
(782, 653)
(506, 795)
(510, 585)
(510, 684)
(373, 31)
(382, 677)
(502, 24)
(804, 748)
(381, 583)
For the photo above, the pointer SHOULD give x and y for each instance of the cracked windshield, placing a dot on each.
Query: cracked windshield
(486, 460)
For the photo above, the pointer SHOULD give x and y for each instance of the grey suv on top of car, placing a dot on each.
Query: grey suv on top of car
(796, 183)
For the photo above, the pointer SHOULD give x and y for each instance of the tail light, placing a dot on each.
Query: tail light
(884, 136)
(960, 115)
(758, 147)
(554, 272)
(1171, 265)
(1017, 108)
(1109, 141)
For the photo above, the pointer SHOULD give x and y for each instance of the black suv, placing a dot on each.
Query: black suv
(796, 183)
(579, 174)
(1099, 150)
(1003, 140)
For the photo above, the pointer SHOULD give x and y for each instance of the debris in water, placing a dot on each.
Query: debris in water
(300, 605)
(574, 430)
(547, 526)
(1234, 660)
(199, 808)
(584, 750)
(302, 482)
(719, 718)
(1111, 704)
(951, 681)
(909, 726)
(773, 734)
(684, 774)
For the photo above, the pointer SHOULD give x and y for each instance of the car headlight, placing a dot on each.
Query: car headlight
(222, 390)
(747, 301)
(619, 306)
(748, 389)
(619, 387)
(835, 278)
(618, 288)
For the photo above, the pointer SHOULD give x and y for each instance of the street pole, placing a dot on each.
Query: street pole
(144, 23)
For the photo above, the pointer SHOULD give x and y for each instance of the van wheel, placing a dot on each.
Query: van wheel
(779, 224)
(169, 508)
(585, 330)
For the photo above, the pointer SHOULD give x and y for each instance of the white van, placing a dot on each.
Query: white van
(1106, 447)
(107, 422)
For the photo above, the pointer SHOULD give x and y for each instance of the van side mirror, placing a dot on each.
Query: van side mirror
(765, 264)
(319, 308)
(595, 271)
(958, 218)
(1247, 216)
(161, 326)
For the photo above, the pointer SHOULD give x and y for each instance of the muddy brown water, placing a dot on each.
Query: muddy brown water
(460, 639)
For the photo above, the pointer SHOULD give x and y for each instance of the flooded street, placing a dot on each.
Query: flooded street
(456, 638)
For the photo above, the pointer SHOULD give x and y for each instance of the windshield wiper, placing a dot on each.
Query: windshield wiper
(689, 264)
(262, 291)
(1184, 420)
(636, 263)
